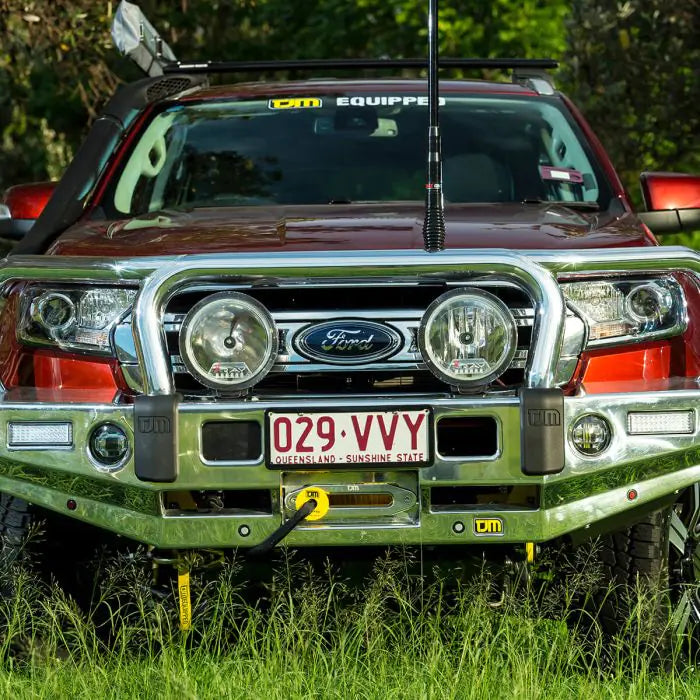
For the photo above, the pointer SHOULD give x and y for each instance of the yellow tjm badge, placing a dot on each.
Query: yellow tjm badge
(295, 103)
(321, 498)
(488, 526)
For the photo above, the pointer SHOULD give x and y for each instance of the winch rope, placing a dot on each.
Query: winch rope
(281, 532)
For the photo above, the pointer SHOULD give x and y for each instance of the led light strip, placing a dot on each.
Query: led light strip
(661, 423)
(39, 434)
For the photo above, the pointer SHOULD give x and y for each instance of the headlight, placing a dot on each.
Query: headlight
(629, 310)
(72, 319)
(467, 337)
(228, 341)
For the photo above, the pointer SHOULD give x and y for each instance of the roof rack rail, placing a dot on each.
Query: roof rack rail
(136, 37)
(528, 65)
(538, 80)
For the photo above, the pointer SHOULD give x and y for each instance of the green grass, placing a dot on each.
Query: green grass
(313, 635)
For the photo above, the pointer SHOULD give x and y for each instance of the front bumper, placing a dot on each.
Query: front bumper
(587, 492)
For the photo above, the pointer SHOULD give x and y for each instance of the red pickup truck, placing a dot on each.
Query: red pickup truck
(223, 329)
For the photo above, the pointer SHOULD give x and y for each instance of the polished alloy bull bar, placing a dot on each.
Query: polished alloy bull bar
(162, 277)
(586, 492)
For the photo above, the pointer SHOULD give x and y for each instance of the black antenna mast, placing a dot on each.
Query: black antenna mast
(434, 224)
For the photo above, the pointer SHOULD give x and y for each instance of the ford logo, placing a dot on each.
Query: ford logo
(347, 342)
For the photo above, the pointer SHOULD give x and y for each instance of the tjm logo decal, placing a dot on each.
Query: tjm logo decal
(295, 103)
(153, 424)
(540, 417)
(488, 526)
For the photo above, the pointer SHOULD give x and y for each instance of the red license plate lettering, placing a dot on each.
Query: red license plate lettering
(361, 438)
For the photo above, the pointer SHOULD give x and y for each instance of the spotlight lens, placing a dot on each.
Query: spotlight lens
(228, 341)
(467, 337)
(109, 445)
(591, 435)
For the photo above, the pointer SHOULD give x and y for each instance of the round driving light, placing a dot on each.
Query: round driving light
(228, 341)
(591, 435)
(649, 302)
(109, 445)
(54, 311)
(467, 337)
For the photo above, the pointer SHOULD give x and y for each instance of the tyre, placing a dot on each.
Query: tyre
(657, 558)
(15, 522)
(53, 547)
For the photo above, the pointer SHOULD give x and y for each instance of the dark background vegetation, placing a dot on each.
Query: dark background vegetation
(632, 66)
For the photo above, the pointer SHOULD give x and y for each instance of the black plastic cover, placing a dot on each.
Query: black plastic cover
(155, 438)
(542, 431)
(231, 441)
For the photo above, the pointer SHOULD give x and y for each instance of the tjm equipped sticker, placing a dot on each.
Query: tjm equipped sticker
(295, 103)
(384, 100)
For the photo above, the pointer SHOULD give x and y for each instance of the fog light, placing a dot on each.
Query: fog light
(661, 423)
(591, 435)
(40, 435)
(109, 445)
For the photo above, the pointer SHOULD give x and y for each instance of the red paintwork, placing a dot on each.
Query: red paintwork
(670, 191)
(388, 226)
(28, 201)
(72, 372)
(687, 359)
(627, 366)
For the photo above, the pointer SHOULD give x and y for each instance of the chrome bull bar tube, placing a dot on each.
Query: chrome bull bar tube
(161, 277)
(164, 283)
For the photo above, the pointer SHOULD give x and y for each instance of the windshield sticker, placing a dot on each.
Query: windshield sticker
(295, 103)
(384, 101)
(547, 172)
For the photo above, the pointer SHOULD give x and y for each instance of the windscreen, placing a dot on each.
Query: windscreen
(356, 148)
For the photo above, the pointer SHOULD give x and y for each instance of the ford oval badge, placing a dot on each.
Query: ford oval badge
(347, 342)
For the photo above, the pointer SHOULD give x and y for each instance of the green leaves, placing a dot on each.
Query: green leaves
(634, 70)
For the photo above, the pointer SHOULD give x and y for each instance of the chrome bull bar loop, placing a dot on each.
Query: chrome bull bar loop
(161, 277)
(535, 279)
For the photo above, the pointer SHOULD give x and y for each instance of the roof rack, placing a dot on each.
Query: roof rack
(523, 66)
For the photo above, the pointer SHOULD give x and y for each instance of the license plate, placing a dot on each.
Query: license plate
(366, 438)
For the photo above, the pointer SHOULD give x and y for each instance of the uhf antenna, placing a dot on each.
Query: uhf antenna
(434, 224)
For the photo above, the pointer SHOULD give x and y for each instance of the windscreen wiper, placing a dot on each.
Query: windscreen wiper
(584, 206)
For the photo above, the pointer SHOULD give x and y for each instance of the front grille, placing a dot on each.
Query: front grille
(401, 306)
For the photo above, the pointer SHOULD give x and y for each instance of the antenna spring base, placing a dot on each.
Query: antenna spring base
(434, 222)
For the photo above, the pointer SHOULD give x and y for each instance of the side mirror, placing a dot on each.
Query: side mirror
(672, 201)
(21, 207)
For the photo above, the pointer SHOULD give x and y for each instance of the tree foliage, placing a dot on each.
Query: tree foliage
(634, 69)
